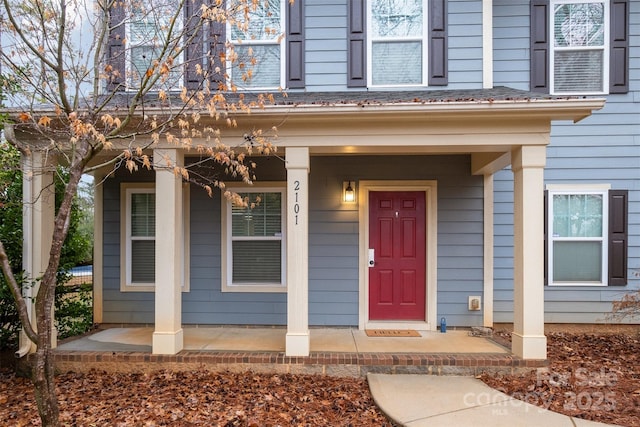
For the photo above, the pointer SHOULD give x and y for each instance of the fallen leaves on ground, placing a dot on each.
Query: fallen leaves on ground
(590, 376)
(196, 398)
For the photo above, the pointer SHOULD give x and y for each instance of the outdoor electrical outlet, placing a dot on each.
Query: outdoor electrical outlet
(474, 303)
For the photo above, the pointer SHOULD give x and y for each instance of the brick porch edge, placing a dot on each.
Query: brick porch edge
(339, 364)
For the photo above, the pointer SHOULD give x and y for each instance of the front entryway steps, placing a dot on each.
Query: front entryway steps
(336, 364)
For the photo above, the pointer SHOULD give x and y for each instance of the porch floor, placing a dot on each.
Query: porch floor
(340, 340)
(334, 351)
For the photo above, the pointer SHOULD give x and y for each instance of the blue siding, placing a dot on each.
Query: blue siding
(333, 239)
(333, 247)
(326, 45)
(602, 149)
(118, 307)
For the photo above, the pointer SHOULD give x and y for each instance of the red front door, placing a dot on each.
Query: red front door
(397, 280)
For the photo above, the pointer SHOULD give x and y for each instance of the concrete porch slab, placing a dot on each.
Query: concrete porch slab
(340, 340)
(333, 351)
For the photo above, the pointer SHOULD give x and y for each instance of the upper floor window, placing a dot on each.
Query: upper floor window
(256, 33)
(580, 47)
(268, 37)
(397, 47)
(396, 43)
(151, 40)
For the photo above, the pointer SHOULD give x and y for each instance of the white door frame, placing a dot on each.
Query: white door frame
(431, 228)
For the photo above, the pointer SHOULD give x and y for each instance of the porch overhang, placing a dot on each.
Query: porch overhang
(488, 123)
(491, 127)
(496, 128)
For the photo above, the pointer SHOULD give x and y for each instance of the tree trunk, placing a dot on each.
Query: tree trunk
(44, 368)
(44, 385)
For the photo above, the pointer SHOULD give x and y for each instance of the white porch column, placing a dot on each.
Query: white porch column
(38, 195)
(168, 336)
(297, 340)
(529, 341)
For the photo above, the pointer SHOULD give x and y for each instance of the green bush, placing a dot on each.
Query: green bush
(74, 309)
(74, 313)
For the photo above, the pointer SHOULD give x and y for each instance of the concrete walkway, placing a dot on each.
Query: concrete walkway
(439, 401)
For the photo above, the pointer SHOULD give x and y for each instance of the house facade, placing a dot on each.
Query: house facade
(477, 161)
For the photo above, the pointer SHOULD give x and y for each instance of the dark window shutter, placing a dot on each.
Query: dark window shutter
(438, 57)
(539, 46)
(619, 50)
(357, 47)
(618, 213)
(546, 238)
(193, 37)
(295, 45)
(217, 52)
(116, 49)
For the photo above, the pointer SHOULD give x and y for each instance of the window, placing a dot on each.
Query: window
(577, 238)
(579, 46)
(138, 237)
(586, 236)
(256, 35)
(397, 43)
(148, 31)
(254, 241)
(132, 44)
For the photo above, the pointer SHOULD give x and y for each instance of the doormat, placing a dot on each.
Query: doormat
(392, 333)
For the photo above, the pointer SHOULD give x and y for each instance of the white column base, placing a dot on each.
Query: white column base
(168, 342)
(297, 344)
(533, 347)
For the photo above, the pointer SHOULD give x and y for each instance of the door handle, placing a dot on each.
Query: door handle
(372, 259)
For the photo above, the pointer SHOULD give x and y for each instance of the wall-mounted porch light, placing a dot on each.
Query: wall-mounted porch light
(349, 191)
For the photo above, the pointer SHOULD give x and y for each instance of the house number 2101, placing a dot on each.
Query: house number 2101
(296, 205)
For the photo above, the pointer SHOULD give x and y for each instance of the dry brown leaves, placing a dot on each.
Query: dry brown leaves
(590, 376)
(197, 398)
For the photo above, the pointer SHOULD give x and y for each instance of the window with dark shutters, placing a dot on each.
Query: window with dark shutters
(437, 45)
(205, 47)
(541, 49)
(616, 239)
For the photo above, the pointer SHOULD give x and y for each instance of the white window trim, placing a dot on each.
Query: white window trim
(580, 189)
(424, 39)
(275, 40)
(126, 190)
(226, 240)
(605, 49)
